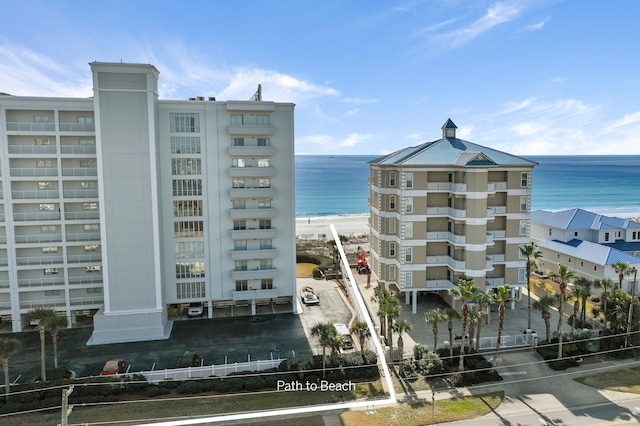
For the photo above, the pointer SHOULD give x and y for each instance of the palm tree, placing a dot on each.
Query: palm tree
(392, 311)
(475, 316)
(361, 331)
(483, 301)
(466, 292)
(401, 327)
(325, 332)
(450, 314)
(529, 251)
(618, 318)
(54, 323)
(336, 342)
(8, 348)
(582, 291)
(501, 295)
(634, 271)
(387, 304)
(621, 268)
(433, 317)
(39, 316)
(543, 305)
(564, 275)
(605, 284)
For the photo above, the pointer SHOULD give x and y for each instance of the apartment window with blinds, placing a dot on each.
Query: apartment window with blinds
(184, 122)
(408, 254)
(189, 269)
(392, 226)
(185, 208)
(523, 227)
(408, 229)
(408, 205)
(264, 183)
(240, 245)
(264, 162)
(392, 249)
(408, 279)
(392, 178)
(240, 265)
(187, 187)
(239, 225)
(238, 183)
(524, 179)
(264, 203)
(186, 166)
(185, 145)
(242, 285)
(89, 206)
(265, 223)
(44, 163)
(188, 229)
(264, 142)
(239, 204)
(237, 120)
(392, 272)
(266, 284)
(262, 120)
(189, 249)
(266, 244)
(88, 163)
(392, 202)
(266, 264)
(190, 290)
(91, 227)
(237, 162)
(523, 203)
(409, 180)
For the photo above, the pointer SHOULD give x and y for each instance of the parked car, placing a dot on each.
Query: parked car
(195, 309)
(113, 366)
(343, 331)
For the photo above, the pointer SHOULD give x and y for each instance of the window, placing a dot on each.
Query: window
(523, 203)
(266, 264)
(524, 179)
(88, 163)
(409, 180)
(392, 178)
(265, 223)
(185, 145)
(184, 122)
(188, 229)
(522, 277)
(240, 245)
(408, 279)
(44, 163)
(92, 247)
(237, 141)
(264, 203)
(239, 225)
(408, 229)
(94, 290)
(51, 271)
(242, 285)
(264, 142)
(240, 265)
(237, 183)
(89, 185)
(87, 142)
(190, 290)
(550, 232)
(45, 185)
(91, 227)
(185, 208)
(392, 272)
(575, 234)
(189, 269)
(89, 206)
(50, 249)
(40, 118)
(408, 254)
(523, 227)
(264, 162)
(52, 292)
(189, 249)
(92, 269)
(43, 141)
(264, 183)
(606, 236)
(186, 166)
(266, 244)
(48, 228)
(85, 120)
(237, 162)
(408, 205)
(520, 255)
(392, 202)
(392, 249)
(187, 187)
(239, 204)
(47, 207)
(266, 284)
(392, 226)
(237, 120)
(262, 120)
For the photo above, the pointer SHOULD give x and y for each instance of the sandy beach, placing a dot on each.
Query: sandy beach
(318, 227)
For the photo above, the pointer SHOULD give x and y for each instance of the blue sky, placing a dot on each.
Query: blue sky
(530, 77)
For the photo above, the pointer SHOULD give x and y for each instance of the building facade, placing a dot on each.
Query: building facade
(447, 209)
(129, 208)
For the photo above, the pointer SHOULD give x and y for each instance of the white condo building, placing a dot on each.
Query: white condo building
(130, 207)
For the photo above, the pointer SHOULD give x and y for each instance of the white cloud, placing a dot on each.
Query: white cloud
(354, 139)
(350, 112)
(359, 100)
(535, 27)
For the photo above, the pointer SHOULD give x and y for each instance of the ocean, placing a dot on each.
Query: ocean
(329, 185)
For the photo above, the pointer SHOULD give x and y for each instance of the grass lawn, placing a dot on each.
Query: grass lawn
(626, 380)
(421, 413)
(305, 270)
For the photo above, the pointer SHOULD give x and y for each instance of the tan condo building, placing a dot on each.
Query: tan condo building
(127, 209)
(447, 209)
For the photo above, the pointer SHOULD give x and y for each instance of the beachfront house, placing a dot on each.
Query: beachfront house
(125, 209)
(588, 243)
(447, 209)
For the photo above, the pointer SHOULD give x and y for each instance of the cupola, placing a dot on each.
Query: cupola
(449, 129)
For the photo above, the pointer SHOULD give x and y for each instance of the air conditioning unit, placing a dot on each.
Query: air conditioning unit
(212, 98)
(200, 98)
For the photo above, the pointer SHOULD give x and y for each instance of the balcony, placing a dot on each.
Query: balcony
(245, 151)
(446, 236)
(251, 130)
(254, 274)
(35, 216)
(85, 280)
(84, 258)
(447, 187)
(85, 236)
(446, 211)
(39, 238)
(496, 186)
(252, 193)
(79, 171)
(497, 235)
(446, 261)
(494, 282)
(35, 194)
(89, 214)
(77, 127)
(80, 193)
(439, 285)
(40, 282)
(252, 213)
(34, 172)
(496, 258)
(38, 260)
(27, 126)
(32, 149)
(253, 254)
(255, 294)
(496, 210)
(248, 171)
(78, 149)
(253, 233)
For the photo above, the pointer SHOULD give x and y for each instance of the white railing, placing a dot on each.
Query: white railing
(489, 343)
(497, 234)
(447, 186)
(492, 211)
(445, 235)
(438, 284)
(210, 370)
(496, 186)
(26, 126)
(446, 211)
(35, 194)
(445, 260)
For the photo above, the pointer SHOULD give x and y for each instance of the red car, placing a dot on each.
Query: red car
(113, 366)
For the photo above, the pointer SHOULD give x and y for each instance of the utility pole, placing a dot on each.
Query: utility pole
(66, 408)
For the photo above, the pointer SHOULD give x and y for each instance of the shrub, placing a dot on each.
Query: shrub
(189, 387)
(430, 364)
(408, 370)
(155, 390)
(419, 351)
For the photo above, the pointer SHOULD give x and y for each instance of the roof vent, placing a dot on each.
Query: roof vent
(212, 98)
(200, 98)
(192, 99)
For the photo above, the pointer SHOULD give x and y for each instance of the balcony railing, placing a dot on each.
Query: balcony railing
(89, 214)
(85, 236)
(87, 302)
(78, 149)
(77, 127)
(254, 274)
(439, 284)
(446, 260)
(447, 236)
(494, 282)
(497, 234)
(27, 126)
(38, 238)
(80, 193)
(36, 216)
(41, 282)
(84, 258)
(496, 210)
(446, 211)
(34, 171)
(255, 294)
(79, 171)
(446, 186)
(253, 254)
(35, 194)
(39, 260)
(251, 171)
(32, 149)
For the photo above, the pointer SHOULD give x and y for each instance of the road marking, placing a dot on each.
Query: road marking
(513, 373)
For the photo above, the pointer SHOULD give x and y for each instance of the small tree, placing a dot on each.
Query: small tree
(450, 315)
(530, 252)
(361, 331)
(39, 316)
(543, 305)
(325, 333)
(466, 292)
(606, 284)
(621, 268)
(8, 348)
(501, 295)
(433, 317)
(54, 323)
(564, 275)
(401, 327)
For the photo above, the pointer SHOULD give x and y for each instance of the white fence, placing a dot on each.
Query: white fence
(489, 343)
(210, 370)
